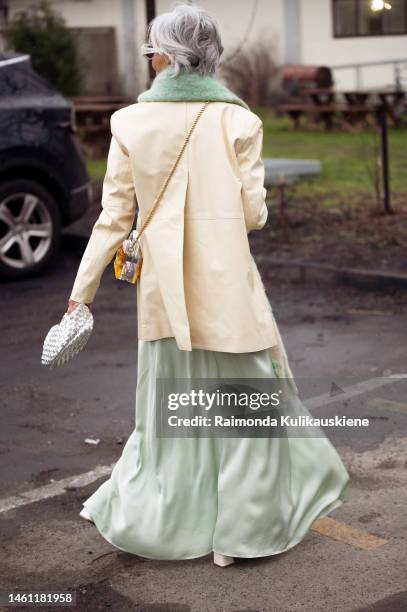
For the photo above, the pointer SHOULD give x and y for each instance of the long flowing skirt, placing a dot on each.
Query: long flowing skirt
(181, 498)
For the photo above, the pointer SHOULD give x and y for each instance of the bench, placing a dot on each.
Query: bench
(92, 113)
(281, 173)
(326, 112)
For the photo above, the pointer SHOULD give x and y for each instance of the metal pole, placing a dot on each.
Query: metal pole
(150, 10)
(382, 115)
(397, 77)
(150, 14)
(358, 76)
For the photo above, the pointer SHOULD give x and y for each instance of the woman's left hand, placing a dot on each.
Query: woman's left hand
(72, 305)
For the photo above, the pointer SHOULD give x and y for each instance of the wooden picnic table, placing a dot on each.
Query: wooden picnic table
(93, 113)
(357, 97)
(354, 105)
(319, 95)
(327, 112)
(110, 108)
(80, 100)
(394, 101)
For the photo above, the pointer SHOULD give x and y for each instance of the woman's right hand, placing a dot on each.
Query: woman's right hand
(72, 305)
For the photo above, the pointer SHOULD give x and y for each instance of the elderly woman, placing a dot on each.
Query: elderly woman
(202, 313)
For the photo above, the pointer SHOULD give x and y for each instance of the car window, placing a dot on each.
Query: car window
(18, 78)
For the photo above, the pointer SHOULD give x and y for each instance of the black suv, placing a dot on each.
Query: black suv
(44, 184)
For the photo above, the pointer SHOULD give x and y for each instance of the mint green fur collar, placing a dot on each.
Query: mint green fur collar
(188, 86)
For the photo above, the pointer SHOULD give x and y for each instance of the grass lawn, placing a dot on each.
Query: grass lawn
(347, 159)
(96, 168)
(332, 218)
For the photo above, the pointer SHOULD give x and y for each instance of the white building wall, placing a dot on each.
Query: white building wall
(320, 47)
(240, 25)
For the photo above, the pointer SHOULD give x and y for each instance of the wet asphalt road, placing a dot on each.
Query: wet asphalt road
(331, 332)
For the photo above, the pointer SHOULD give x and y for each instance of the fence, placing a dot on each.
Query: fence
(397, 72)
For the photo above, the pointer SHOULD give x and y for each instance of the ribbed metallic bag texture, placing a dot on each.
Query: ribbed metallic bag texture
(67, 338)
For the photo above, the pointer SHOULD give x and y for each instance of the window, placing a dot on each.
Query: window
(357, 18)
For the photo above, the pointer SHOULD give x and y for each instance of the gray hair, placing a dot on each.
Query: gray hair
(189, 36)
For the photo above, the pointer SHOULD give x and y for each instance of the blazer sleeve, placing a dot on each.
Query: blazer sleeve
(113, 224)
(248, 149)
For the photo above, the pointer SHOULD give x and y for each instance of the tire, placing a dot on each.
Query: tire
(26, 249)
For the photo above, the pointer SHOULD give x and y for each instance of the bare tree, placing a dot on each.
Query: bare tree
(253, 74)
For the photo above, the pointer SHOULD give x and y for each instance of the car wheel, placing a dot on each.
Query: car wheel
(30, 228)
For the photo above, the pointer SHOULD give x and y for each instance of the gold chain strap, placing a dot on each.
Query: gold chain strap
(167, 180)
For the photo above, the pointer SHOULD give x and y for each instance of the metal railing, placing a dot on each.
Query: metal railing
(399, 66)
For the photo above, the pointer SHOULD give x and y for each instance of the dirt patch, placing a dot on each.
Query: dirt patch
(333, 230)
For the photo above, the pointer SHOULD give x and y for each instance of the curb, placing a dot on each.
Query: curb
(358, 277)
(299, 270)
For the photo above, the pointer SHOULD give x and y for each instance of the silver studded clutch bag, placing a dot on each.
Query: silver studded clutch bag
(67, 338)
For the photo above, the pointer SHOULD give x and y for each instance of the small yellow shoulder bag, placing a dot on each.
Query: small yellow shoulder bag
(129, 259)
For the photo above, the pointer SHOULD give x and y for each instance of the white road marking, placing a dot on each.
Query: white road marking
(58, 488)
(53, 489)
(357, 389)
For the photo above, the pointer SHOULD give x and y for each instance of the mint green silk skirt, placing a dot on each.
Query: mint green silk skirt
(180, 498)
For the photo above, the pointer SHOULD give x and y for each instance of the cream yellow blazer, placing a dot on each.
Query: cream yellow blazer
(199, 282)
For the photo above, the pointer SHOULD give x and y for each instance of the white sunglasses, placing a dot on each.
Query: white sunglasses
(148, 50)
